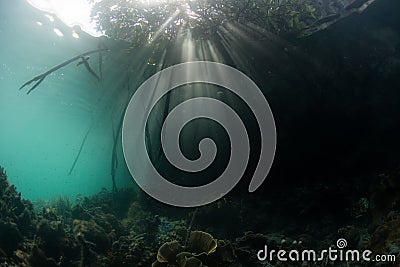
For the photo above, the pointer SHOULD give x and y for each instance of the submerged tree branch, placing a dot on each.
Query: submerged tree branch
(39, 79)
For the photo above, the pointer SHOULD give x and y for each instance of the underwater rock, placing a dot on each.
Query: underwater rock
(10, 236)
(78, 212)
(16, 217)
(110, 223)
(48, 229)
(52, 239)
(24, 221)
(169, 229)
(385, 199)
(225, 254)
(39, 259)
(352, 234)
(131, 250)
(11, 203)
(93, 233)
(386, 237)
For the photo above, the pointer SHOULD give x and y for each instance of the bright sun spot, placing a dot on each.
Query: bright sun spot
(71, 12)
(58, 32)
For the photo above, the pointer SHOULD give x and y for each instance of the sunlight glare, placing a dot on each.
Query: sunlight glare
(58, 32)
(50, 17)
(71, 12)
(75, 34)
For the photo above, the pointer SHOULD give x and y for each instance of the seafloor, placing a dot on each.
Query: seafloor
(127, 228)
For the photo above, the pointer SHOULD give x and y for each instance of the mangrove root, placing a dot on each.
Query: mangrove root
(80, 150)
(39, 79)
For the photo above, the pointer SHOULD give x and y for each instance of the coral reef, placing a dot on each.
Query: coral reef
(124, 228)
(16, 223)
(385, 214)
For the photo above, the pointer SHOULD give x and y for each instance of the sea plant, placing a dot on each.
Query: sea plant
(199, 245)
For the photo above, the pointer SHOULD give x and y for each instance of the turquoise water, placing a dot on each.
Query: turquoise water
(41, 133)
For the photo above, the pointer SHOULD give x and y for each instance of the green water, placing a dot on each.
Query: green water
(41, 133)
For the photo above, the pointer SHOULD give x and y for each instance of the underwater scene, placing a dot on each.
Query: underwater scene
(189, 133)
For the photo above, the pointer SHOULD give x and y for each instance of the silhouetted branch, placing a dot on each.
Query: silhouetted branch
(42, 76)
(114, 158)
(80, 150)
(116, 136)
